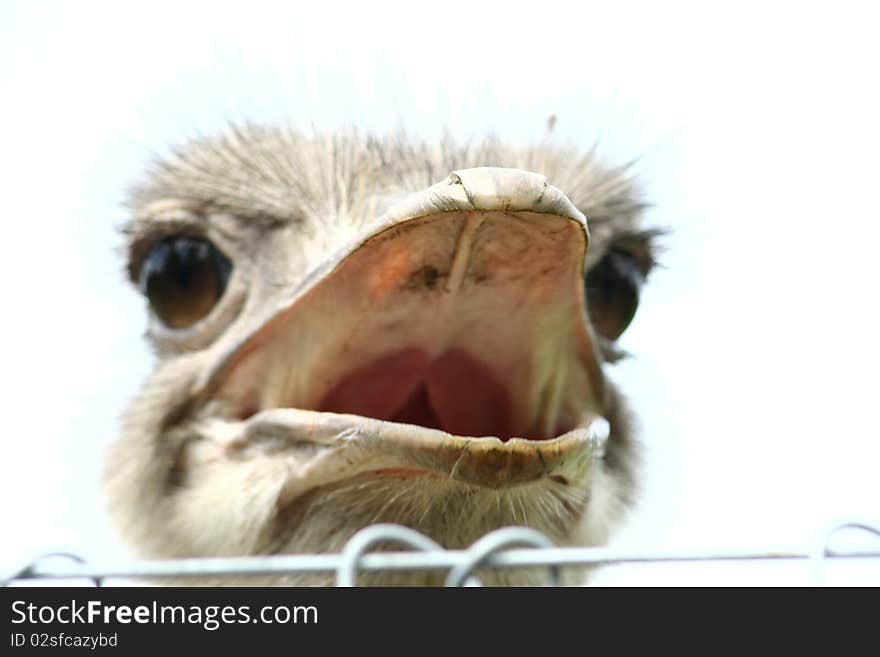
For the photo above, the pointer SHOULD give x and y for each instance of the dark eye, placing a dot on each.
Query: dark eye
(183, 278)
(612, 288)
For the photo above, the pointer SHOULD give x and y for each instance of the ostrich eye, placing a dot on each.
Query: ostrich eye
(183, 278)
(612, 289)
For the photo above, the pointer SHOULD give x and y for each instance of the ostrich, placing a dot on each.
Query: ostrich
(353, 329)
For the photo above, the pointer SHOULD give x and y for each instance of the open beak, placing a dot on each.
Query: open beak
(449, 339)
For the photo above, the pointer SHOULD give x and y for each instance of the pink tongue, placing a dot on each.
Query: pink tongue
(454, 393)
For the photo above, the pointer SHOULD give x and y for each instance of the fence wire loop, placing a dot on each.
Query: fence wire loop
(357, 546)
(27, 572)
(822, 550)
(500, 539)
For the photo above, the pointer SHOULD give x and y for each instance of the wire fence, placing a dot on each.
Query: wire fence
(510, 547)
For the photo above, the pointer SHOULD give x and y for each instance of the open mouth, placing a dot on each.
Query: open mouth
(454, 393)
(452, 331)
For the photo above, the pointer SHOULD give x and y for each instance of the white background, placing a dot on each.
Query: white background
(756, 129)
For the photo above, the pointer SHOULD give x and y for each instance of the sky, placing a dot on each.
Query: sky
(755, 135)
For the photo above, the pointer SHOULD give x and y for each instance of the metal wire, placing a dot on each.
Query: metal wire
(492, 543)
(823, 550)
(27, 572)
(346, 573)
(492, 551)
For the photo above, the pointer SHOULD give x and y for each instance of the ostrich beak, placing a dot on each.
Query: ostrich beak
(450, 338)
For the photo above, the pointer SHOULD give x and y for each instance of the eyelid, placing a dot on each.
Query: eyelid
(144, 232)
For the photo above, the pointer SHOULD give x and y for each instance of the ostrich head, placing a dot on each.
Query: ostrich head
(353, 330)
